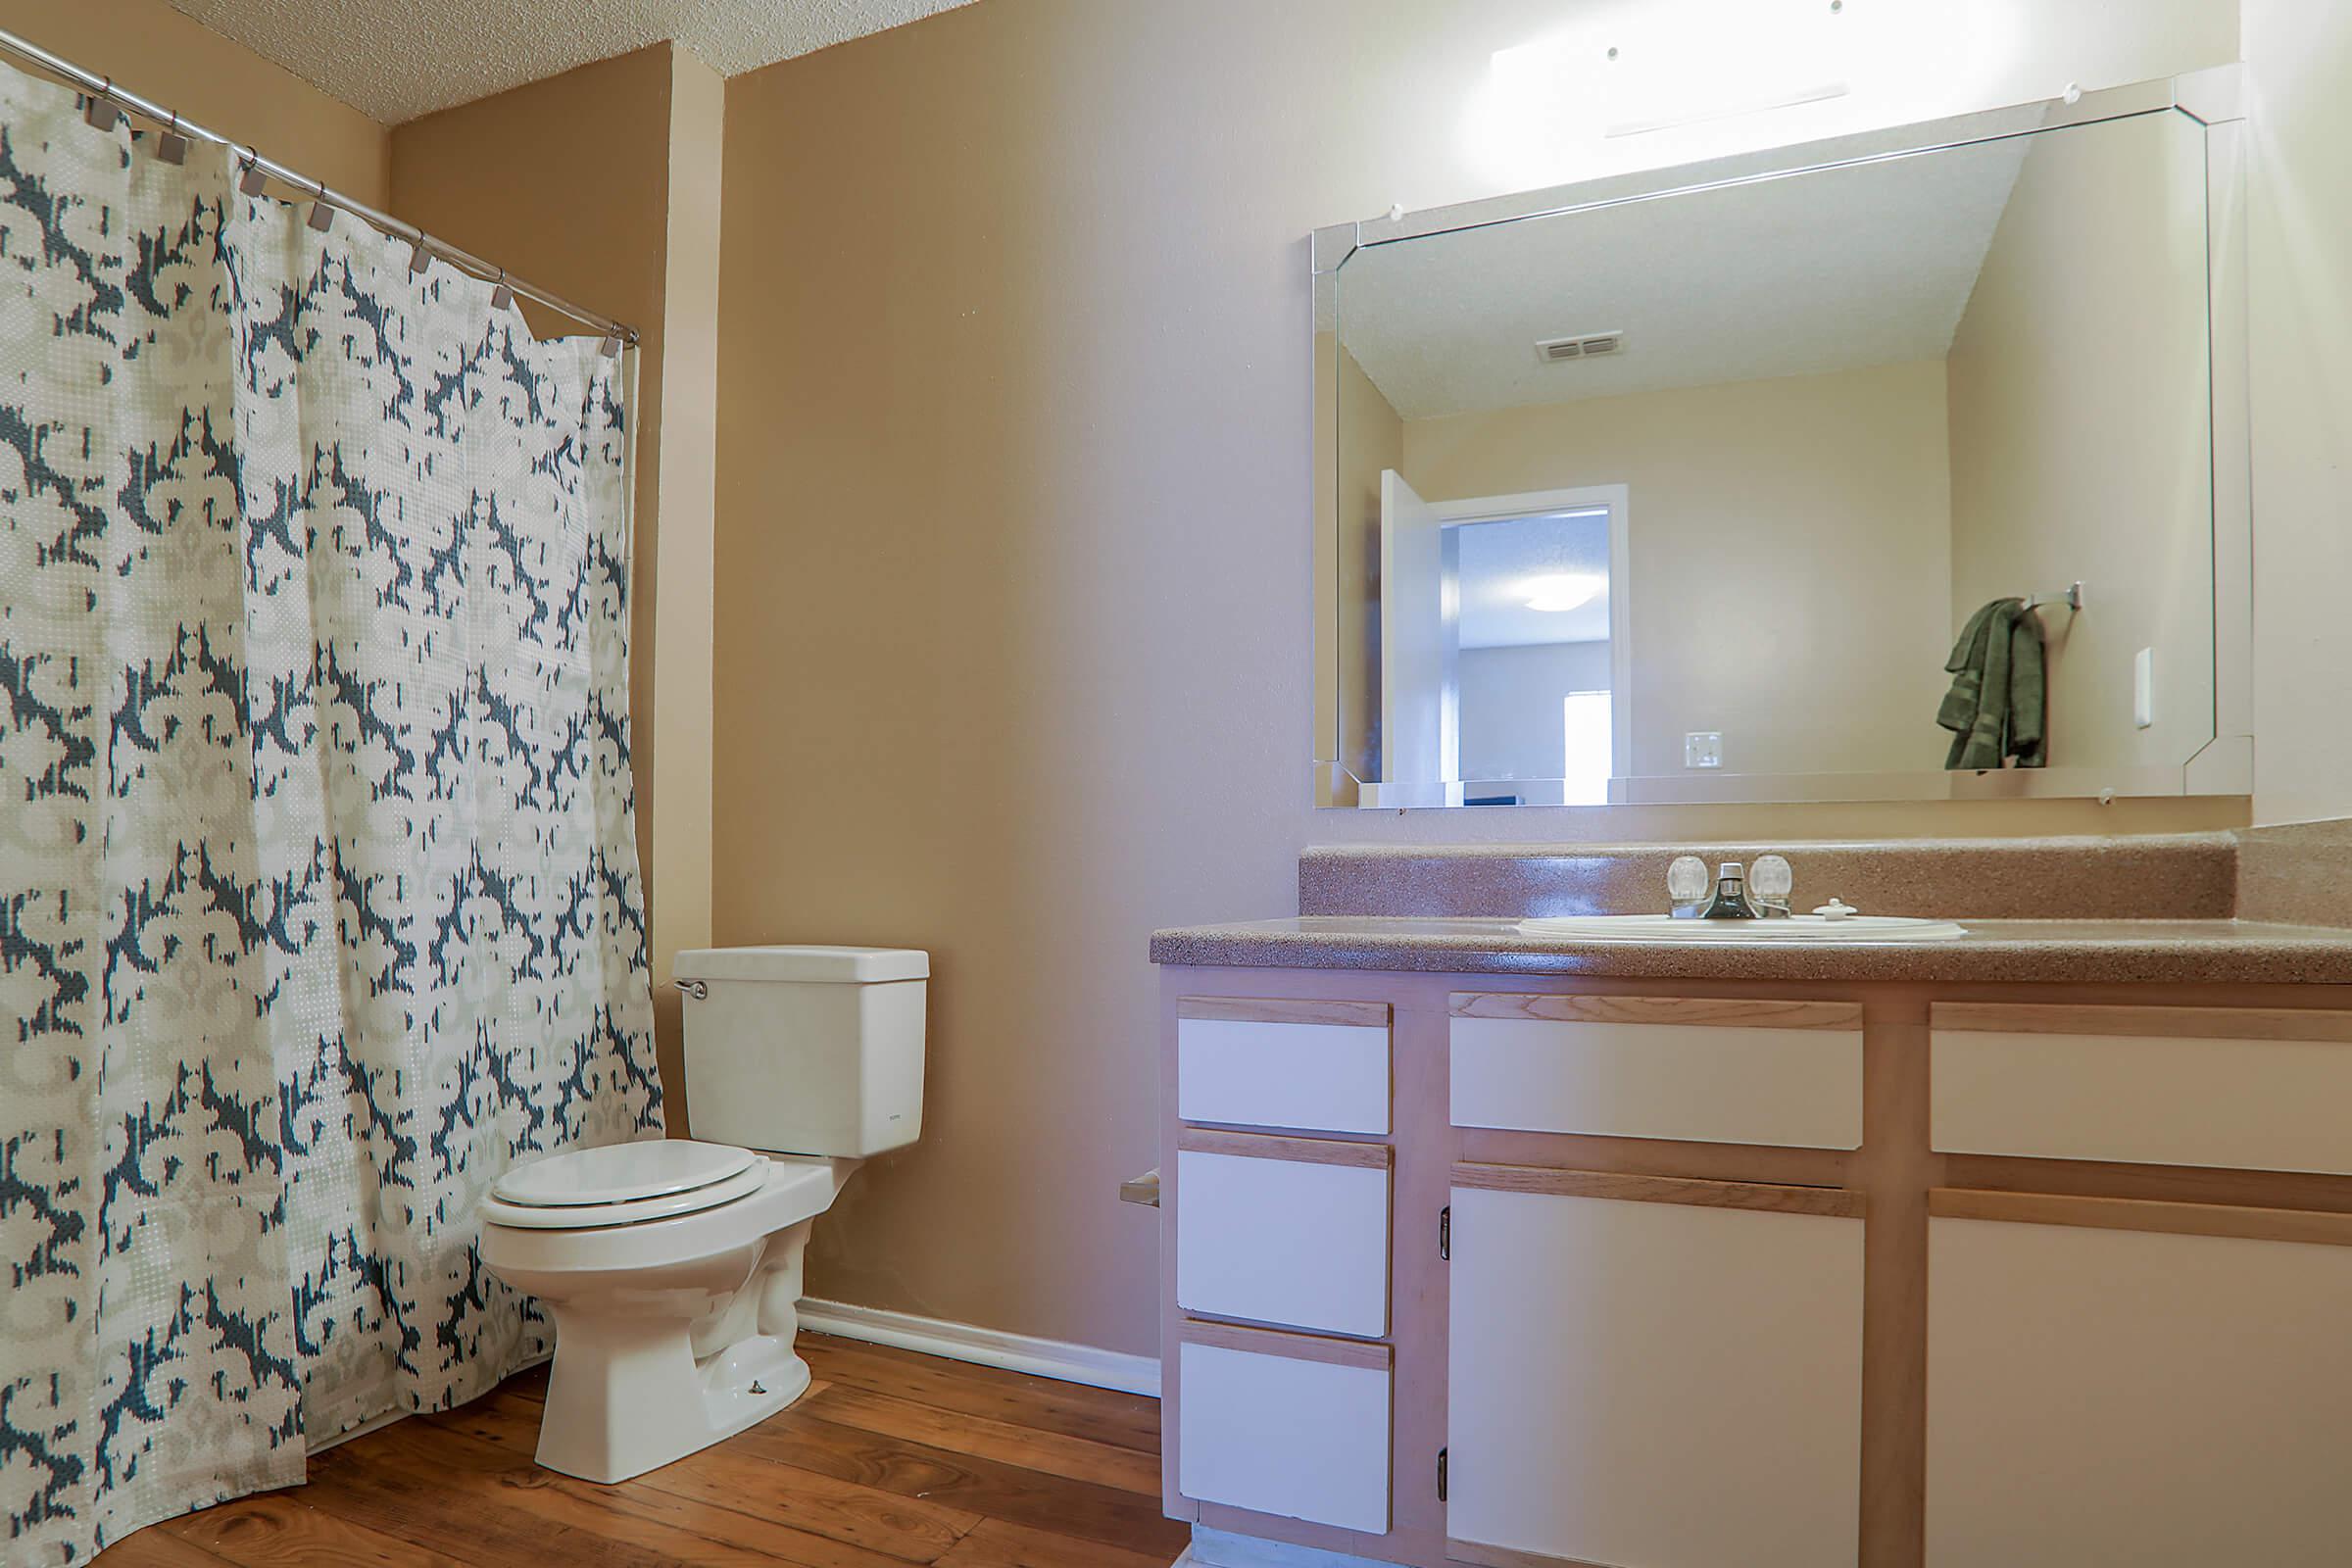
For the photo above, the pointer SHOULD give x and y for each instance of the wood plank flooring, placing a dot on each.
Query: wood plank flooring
(890, 1459)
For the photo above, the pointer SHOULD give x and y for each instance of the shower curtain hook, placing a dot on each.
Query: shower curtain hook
(322, 216)
(171, 147)
(420, 259)
(501, 297)
(253, 181)
(102, 113)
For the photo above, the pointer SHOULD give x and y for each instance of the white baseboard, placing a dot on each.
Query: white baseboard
(1222, 1548)
(963, 1341)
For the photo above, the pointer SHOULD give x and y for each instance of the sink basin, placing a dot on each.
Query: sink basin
(1796, 928)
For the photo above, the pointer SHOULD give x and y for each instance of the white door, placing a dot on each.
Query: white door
(1669, 1384)
(1420, 640)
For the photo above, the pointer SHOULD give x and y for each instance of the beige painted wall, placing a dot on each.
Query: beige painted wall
(1015, 590)
(602, 185)
(2299, 246)
(1759, 568)
(156, 52)
(2081, 432)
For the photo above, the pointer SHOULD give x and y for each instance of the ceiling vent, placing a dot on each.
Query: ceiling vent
(1584, 346)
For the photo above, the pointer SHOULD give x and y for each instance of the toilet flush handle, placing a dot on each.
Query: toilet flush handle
(699, 989)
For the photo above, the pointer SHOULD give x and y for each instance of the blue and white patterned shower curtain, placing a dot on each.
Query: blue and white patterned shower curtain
(319, 890)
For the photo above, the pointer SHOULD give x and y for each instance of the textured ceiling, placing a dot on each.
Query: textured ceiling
(1497, 562)
(1868, 264)
(397, 62)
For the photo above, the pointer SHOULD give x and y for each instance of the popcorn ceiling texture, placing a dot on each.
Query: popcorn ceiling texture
(395, 62)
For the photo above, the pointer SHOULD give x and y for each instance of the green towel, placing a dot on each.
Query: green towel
(1999, 694)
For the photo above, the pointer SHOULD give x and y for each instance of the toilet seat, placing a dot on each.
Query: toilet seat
(790, 1189)
(620, 1173)
(623, 1184)
(589, 1216)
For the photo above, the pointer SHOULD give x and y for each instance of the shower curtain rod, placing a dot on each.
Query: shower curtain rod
(104, 87)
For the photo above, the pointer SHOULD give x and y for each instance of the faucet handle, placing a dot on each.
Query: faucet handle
(1688, 882)
(1772, 879)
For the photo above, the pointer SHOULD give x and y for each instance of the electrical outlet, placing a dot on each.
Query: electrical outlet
(1702, 749)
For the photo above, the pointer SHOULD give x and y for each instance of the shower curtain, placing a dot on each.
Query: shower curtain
(318, 891)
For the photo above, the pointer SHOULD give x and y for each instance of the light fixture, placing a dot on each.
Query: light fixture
(1558, 595)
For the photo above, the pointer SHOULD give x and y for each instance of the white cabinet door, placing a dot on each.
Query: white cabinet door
(1281, 1424)
(2098, 1394)
(1292, 1231)
(1673, 1384)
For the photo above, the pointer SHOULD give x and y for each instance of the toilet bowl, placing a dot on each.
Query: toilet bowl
(673, 1268)
(674, 1306)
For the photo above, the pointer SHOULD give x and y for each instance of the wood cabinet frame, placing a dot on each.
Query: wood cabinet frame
(1892, 1181)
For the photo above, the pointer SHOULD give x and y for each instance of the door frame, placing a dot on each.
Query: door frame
(1616, 499)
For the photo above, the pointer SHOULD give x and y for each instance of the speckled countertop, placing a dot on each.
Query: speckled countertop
(1994, 951)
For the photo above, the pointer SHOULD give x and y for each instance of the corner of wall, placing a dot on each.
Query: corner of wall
(684, 619)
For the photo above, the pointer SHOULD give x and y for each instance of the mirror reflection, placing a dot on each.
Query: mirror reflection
(1780, 490)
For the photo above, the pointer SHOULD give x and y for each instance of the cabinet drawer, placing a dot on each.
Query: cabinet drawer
(1284, 1425)
(2258, 1089)
(2163, 1385)
(1710, 1070)
(1317, 1065)
(1284, 1230)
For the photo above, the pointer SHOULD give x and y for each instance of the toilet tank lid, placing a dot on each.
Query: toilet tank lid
(842, 965)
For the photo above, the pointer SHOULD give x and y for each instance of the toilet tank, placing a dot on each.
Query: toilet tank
(805, 1049)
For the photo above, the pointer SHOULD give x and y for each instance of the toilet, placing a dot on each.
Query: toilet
(671, 1267)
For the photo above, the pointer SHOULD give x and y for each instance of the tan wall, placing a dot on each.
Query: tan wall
(1014, 598)
(2299, 244)
(2081, 432)
(154, 51)
(570, 182)
(1760, 566)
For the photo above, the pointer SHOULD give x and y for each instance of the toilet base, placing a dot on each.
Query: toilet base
(634, 1386)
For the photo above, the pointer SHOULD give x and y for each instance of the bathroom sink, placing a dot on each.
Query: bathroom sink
(1796, 928)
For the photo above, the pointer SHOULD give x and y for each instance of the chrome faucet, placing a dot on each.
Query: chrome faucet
(1735, 894)
(1730, 902)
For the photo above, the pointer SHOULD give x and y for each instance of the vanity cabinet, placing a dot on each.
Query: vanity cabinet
(1533, 1271)
(1645, 1370)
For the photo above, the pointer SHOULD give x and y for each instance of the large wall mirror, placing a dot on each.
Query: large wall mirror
(1716, 484)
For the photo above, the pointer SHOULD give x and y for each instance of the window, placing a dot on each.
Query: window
(1585, 769)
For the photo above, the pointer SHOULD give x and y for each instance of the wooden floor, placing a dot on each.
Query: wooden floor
(890, 1459)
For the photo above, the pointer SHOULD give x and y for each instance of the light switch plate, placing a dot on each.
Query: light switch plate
(1702, 749)
(2143, 688)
